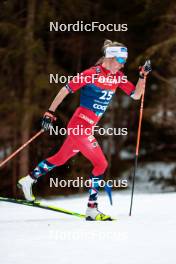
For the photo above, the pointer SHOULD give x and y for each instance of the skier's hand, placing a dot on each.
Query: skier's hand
(47, 120)
(145, 69)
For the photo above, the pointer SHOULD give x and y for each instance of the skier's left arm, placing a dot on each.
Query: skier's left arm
(144, 71)
(135, 92)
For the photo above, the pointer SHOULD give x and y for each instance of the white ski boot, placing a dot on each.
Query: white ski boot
(93, 214)
(25, 184)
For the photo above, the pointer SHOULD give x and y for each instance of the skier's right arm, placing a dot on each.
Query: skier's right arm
(58, 99)
(49, 117)
(71, 87)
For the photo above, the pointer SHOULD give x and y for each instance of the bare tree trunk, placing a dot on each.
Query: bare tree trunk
(28, 86)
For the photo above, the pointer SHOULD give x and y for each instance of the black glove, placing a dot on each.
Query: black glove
(145, 69)
(47, 120)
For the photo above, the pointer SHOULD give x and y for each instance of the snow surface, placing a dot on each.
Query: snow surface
(35, 236)
(151, 176)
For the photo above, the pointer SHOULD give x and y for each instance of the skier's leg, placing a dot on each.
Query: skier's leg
(90, 148)
(66, 152)
(97, 158)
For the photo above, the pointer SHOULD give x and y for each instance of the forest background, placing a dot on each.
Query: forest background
(29, 52)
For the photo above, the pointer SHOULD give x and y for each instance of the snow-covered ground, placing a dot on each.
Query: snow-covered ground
(152, 177)
(35, 236)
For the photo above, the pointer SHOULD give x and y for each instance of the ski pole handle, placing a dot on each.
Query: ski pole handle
(20, 148)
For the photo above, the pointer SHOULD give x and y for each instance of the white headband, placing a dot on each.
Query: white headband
(111, 52)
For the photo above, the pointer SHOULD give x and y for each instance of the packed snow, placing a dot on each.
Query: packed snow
(32, 235)
(152, 177)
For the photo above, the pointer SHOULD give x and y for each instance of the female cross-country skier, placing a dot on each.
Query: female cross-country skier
(94, 99)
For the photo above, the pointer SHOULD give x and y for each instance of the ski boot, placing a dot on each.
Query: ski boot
(93, 214)
(25, 184)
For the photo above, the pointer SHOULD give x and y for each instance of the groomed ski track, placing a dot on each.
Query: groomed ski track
(33, 235)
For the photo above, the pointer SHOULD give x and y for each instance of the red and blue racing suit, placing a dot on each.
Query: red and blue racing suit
(94, 99)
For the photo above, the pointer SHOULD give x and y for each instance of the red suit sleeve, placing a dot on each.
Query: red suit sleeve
(127, 87)
(80, 80)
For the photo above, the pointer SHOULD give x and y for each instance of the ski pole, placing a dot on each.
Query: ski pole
(148, 64)
(137, 149)
(20, 148)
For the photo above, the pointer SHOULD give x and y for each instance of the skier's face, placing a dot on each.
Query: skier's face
(115, 66)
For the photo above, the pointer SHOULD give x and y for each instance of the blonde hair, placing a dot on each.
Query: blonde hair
(108, 43)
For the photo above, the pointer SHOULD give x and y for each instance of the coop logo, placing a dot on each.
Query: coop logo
(99, 107)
